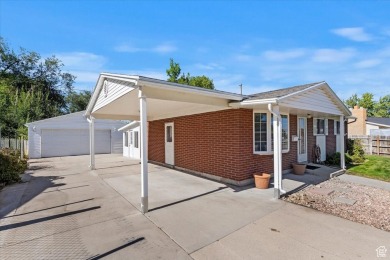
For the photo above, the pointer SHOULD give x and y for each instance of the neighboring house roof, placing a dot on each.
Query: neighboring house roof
(383, 121)
(280, 92)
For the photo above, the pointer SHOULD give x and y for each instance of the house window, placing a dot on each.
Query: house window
(261, 128)
(169, 134)
(126, 139)
(263, 133)
(320, 126)
(337, 128)
(135, 139)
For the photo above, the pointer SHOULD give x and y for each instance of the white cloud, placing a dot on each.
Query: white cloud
(369, 63)
(81, 60)
(209, 66)
(353, 33)
(164, 48)
(161, 48)
(284, 55)
(333, 55)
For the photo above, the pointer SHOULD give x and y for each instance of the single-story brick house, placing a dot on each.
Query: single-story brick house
(221, 135)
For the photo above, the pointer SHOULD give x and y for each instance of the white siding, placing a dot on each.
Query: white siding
(34, 143)
(75, 121)
(314, 100)
(116, 142)
(370, 127)
(115, 89)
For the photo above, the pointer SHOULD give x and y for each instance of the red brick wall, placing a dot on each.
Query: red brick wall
(330, 138)
(218, 143)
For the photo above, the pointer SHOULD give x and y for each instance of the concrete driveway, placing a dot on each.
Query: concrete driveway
(65, 211)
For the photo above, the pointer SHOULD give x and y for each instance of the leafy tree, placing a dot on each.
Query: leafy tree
(174, 75)
(31, 88)
(382, 107)
(352, 101)
(78, 101)
(379, 108)
(367, 101)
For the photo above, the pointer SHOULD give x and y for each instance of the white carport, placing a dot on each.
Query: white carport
(142, 99)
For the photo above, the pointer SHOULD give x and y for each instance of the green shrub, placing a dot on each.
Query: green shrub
(355, 152)
(11, 166)
(333, 159)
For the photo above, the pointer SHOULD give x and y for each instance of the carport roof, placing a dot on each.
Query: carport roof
(168, 99)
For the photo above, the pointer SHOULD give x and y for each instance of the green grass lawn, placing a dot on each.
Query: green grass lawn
(375, 167)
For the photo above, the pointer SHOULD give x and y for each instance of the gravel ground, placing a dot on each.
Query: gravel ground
(372, 206)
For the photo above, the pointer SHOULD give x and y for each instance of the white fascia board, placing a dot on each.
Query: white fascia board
(99, 85)
(129, 126)
(346, 109)
(155, 83)
(254, 102)
(301, 91)
(323, 83)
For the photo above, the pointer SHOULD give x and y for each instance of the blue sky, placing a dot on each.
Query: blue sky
(264, 45)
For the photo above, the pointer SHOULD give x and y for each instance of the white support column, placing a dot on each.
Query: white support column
(277, 152)
(92, 142)
(144, 151)
(342, 142)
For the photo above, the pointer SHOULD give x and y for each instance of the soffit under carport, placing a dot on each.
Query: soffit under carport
(161, 103)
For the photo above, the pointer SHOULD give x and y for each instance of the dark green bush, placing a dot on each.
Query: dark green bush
(11, 166)
(355, 152)
(333, 159)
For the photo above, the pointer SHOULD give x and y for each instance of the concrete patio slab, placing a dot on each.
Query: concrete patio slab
(295, 232)
(67, 211)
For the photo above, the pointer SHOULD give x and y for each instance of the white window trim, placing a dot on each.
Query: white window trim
(335, 127)
(126, 138)
(326, 130)
(269, 140)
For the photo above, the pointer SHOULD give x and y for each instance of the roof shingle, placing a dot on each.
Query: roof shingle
(280, 92)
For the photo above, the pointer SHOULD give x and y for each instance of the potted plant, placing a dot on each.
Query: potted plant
(262, 180)
(299, 168)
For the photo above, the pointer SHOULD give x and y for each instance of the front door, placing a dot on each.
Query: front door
(302, 139)
(169, 144)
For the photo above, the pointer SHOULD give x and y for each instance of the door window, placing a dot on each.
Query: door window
(169, 134)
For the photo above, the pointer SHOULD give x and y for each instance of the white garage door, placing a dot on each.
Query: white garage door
(65, 142)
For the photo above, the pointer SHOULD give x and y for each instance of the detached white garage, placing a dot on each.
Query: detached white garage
(69, 135)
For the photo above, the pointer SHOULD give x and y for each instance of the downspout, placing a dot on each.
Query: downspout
(277, 153)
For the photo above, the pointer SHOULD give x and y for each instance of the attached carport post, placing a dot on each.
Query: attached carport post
(342, 143)
(91, 121)
(144, 151)
(277, 126)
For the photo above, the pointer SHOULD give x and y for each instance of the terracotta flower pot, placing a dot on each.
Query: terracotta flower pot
(299, 168)
(262, 180)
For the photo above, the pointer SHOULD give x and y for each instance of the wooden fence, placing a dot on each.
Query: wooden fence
(14, 143)
(374, 144)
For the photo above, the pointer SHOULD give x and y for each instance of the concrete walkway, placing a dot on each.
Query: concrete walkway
(65, 211)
